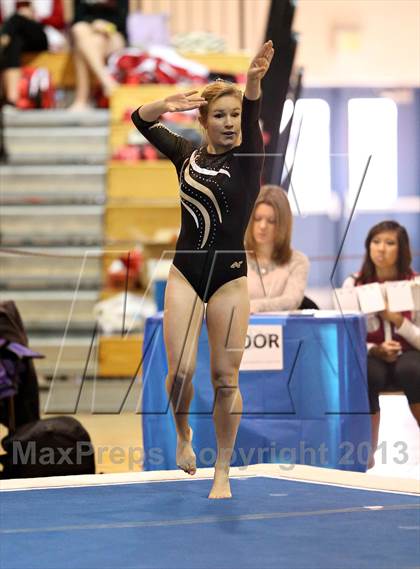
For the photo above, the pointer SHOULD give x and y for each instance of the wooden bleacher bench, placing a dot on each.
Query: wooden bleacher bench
(130, 223)
(61, 66)
(120, 356)
(144, 181)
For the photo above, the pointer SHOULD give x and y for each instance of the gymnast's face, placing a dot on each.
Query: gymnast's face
(264, 226)
(223, 124)
(383, 250)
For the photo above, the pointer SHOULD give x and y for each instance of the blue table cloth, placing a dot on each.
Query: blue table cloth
(314, 411)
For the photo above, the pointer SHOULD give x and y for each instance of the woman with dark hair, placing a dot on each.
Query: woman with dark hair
(277, 274)
(219, 183)
(393, 337)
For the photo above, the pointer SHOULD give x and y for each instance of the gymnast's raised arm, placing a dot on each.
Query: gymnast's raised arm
(257, 69)
(252, 142)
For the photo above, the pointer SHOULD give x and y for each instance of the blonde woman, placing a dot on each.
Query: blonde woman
(219, 183)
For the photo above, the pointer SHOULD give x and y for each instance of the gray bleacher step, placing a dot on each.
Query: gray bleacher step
(57, 268)
(56, 145)
(55, 117)
(58, 158)
(52, 183)
(51, 225)
(64, 355)
(56, 310)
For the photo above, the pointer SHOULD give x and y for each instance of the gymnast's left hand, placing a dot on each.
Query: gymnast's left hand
(186, 101)
(261, 62)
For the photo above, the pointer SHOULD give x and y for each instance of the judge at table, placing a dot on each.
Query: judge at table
(393, 337)
(277, 274)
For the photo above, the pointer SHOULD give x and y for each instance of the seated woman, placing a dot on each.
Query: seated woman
(393, 337)
(26, 26)
(99, 29)
(277, 274)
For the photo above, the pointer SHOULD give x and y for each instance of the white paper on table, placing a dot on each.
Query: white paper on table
(263, 348)
(399, 296)
(371, 298)
(328, 313)
(346, 299)
(303, 312)
(273, 313)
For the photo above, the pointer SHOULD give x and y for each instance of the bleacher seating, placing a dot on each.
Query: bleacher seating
(141, 203)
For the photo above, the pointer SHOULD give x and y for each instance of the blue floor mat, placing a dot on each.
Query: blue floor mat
(270, 523)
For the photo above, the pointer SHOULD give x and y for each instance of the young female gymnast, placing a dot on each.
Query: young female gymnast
(219, 183)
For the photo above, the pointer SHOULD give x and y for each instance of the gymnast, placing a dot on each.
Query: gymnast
(219, 183)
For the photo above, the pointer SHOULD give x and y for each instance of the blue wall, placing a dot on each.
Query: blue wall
(319, 236)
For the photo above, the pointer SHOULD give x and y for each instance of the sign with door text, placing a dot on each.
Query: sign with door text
(263, 348)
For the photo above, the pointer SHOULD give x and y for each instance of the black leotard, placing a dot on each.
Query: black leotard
(218, 192)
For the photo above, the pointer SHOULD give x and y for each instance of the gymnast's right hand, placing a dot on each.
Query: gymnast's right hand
(184, 101)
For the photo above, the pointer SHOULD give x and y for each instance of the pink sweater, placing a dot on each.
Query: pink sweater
(280, 289)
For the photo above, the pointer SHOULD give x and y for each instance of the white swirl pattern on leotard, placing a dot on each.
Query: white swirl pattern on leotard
(204, 222)
(204, 189)
(203, 212)
(200, 170)
(184, 203)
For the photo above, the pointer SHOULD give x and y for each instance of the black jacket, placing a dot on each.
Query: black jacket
(26, 402)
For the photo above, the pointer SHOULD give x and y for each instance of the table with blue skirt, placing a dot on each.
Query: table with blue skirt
(313, 411)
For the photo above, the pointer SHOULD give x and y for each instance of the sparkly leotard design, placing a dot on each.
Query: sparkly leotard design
(217, 194)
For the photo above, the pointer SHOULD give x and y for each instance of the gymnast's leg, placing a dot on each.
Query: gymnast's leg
(227, 318)
(182, 322)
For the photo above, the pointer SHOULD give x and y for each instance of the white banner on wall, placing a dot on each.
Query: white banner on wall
(263, 348)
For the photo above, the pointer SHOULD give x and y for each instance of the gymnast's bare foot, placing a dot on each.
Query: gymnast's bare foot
(185, 455)
(221, 485)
